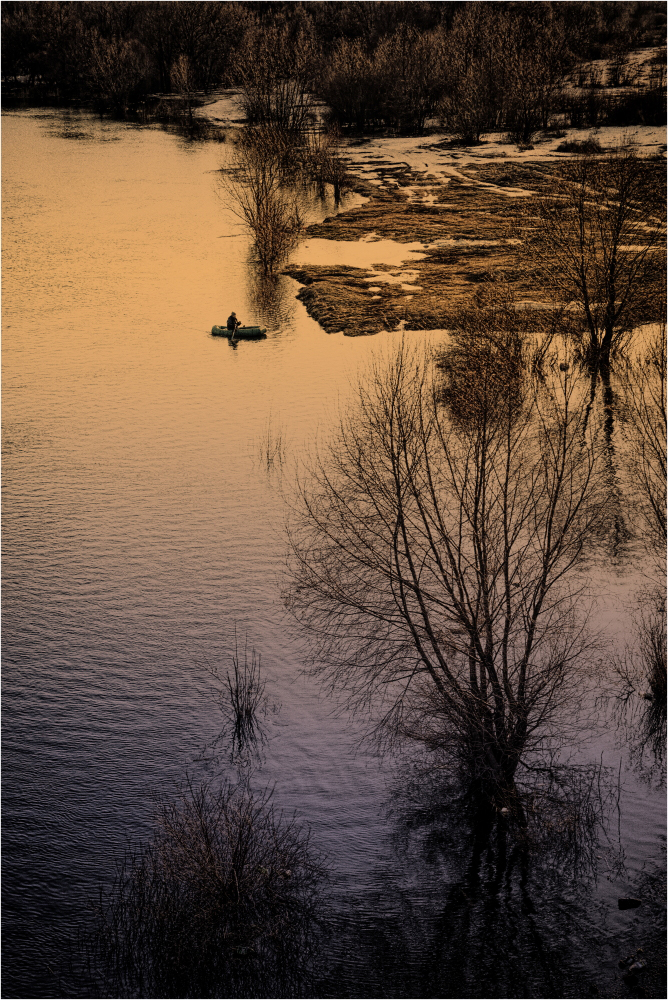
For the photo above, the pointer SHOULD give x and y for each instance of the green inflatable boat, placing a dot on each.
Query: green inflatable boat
(241, 333)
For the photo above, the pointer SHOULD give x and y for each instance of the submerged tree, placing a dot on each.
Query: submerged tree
(430, 561)
(261, 196)
(598, 240)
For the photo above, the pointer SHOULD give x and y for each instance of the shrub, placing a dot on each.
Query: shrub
(220, 902)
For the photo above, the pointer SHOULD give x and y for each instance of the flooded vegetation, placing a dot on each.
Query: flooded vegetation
(435, 764)
(222, 898)
(433, 562)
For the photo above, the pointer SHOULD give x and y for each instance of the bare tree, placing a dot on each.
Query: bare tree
(466, 111)
(416, 85)
(273, 65)
(183, 81)
(322, 163)
(356, 86)
(430, 562)
(115, 68)
(536, 57)
(598, 240)
(257, 192)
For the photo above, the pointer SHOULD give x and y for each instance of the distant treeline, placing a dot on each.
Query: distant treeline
(473, 66)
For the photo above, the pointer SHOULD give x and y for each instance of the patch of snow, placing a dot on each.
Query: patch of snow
(523, 304)
(429, 156)
(226, 108)
(421, 195)
(463, 242)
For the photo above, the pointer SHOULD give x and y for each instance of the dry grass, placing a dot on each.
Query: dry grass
(242, 700)
(477, 221)
(340, 299)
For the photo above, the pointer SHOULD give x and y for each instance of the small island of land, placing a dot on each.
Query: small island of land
(461, 205)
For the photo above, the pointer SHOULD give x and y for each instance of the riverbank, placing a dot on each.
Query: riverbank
(449, 211)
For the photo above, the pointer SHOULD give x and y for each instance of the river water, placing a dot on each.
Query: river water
(142, 531)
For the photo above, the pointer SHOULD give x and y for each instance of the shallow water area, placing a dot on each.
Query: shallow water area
(143, 531)
(364, 253)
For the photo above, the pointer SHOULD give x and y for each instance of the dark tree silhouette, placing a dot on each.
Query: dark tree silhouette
(430, 560)
(598, 241)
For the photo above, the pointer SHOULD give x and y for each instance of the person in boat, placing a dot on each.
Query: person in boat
(233, 322)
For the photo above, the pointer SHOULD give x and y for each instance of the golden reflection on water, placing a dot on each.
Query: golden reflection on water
(139, 528)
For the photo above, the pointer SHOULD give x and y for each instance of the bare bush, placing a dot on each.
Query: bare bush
(586, 146)
(430, 561)
(257, 191)
(219, 902)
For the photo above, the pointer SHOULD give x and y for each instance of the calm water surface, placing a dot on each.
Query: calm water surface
(141, 530)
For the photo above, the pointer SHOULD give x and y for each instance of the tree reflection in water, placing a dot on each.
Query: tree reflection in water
(269, 299)
(498, 902)
(637, 692)
(504, 910)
